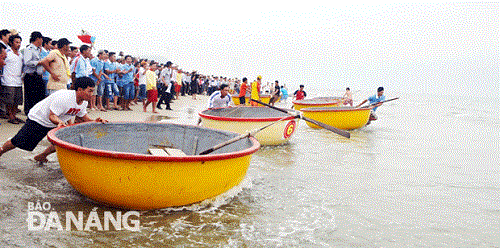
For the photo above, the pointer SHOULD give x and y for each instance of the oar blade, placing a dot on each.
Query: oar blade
(328, 127)
(321, 124)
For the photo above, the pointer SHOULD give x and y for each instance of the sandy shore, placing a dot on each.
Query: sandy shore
(185, 110)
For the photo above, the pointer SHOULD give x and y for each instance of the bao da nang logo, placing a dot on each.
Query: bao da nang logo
(41, 216)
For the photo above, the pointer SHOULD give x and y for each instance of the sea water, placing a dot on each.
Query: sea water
(426, 173)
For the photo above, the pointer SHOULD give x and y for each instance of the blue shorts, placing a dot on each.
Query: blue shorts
(128, 91)
(142, 92)
(112, 90)
(100, 88)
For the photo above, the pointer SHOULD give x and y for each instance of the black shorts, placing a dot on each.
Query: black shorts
(242, 100)
(30, 135)
(194, 88)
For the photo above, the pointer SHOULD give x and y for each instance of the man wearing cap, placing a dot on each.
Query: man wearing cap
(166, 86)
(56, 63)
(34, 87)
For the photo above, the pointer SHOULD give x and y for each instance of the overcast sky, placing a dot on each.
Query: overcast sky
(409, 46)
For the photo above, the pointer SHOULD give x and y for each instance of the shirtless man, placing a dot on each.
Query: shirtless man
(347, 98)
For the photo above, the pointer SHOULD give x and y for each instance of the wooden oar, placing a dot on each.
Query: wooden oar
(321, 124)
(369, 105)
(248, 134)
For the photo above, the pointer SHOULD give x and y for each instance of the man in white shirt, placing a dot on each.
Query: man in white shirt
(57, 110)
(220, 98)
(12, 91)
(166, 87)
(142, 82)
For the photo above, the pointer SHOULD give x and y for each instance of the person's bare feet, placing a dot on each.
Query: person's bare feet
(40, 158)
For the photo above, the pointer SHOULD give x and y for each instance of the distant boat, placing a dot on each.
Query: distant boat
(110, 163)
(317, 102)
(242, 119)
(345, 117)
(264, 98)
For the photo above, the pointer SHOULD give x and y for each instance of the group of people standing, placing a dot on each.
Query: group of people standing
(46, 66)
(43, 68)
(244, 91)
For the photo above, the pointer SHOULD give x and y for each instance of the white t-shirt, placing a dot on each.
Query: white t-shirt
(62, 103)
(215, 101)
(12, 70)
(173, 76)
(165, 74)
(142, 76)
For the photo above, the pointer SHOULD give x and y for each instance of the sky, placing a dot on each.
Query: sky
(418, 47)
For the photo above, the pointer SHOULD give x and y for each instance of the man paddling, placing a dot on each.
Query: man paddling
(375, 102)
(56, 110)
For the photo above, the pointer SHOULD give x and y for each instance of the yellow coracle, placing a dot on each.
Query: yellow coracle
(242, 119)
(317, 102)
(106, 168)
(347, 118)
(263, 98)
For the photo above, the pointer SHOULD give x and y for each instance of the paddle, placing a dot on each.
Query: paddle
(321, 124)
(248, 134)
(366, 106)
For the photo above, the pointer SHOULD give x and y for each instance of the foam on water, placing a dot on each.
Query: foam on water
(212, 204)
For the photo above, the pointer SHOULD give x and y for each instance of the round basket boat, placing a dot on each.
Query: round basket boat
(347, 118)
(242, 119)
(263, 98)
(112, 163)
(317, 102)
